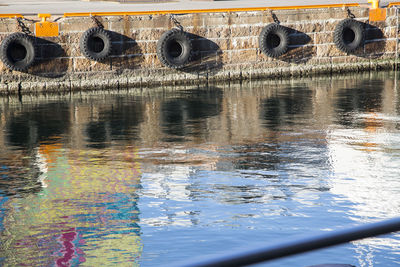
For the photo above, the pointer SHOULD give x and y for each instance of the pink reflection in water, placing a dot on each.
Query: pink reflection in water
(68, 250)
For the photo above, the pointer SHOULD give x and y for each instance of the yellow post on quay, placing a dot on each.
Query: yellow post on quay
(374, 3)
(46, 28)
(376, 13)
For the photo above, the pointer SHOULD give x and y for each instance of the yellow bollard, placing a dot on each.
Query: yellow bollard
(376, 13)
(374, 3)
(46, 28)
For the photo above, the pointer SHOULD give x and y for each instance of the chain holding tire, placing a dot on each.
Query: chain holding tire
(349, 14)
(176, 22)
(275, 18)
(97, 22)
(22, 27)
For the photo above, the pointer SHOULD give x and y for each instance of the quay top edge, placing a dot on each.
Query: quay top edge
(172, 9)
(11, 16)
(71, 8)
(214, 10)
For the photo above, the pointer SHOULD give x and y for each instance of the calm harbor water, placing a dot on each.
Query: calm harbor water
(149, 178)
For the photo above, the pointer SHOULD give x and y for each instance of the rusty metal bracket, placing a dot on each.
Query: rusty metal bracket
(274, 17)
(97, 22)
(22, 27)
(176, 22)
(349, 14)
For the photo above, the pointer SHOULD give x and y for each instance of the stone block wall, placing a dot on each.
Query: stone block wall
(225, 47)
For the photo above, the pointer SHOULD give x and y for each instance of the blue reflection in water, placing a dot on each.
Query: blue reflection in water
(153, 178)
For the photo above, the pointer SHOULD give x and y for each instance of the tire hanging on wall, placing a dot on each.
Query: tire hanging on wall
(18, 51)
(174, 49)
(274, 40)
(95, 44)
(349, 35)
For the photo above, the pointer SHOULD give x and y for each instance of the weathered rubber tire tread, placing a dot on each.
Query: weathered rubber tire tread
(31, 51)
(85, 39)
(359, 35)
(281, 32)
(162, 53)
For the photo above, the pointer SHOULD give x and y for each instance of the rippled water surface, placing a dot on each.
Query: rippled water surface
(147, 178)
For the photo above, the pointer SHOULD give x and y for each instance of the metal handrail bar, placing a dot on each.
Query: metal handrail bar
(296, 246)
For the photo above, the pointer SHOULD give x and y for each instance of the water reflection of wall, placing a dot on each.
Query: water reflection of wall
(220, 115)
(266, 126)
(364, 160)
(364, 155)
(25, 128)
(286, 106)
(189, 108)
(237, 113)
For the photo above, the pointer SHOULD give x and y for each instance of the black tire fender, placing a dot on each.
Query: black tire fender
(349, 35)
(95, 44)
(274, 40)
(18, 51)
(174, 49)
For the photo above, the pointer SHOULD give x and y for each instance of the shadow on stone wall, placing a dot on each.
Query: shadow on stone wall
(52, 61)
(298, 51)
(375, 42)
(125, 54)
(206, 57)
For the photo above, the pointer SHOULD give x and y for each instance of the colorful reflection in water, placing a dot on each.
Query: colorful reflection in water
(83, 209)
(149, 178)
